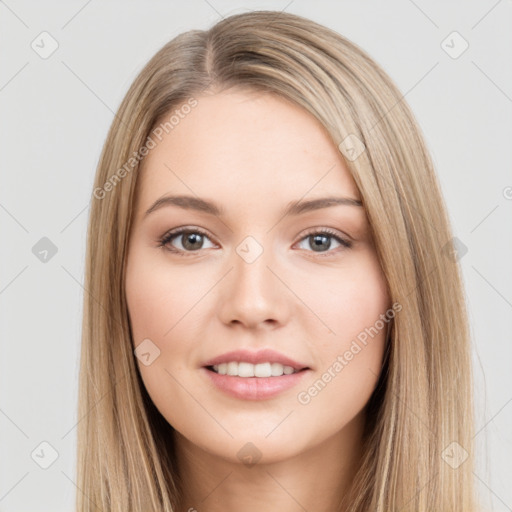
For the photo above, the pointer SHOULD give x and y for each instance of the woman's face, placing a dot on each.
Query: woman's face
(255, 271)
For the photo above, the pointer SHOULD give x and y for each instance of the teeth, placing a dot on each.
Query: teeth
(243, 369)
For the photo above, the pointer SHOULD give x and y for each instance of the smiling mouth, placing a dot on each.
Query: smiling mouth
(247, 370)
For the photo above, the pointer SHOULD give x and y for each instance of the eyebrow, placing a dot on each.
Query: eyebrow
(293, 208)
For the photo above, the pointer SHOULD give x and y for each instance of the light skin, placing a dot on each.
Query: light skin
(252, 154)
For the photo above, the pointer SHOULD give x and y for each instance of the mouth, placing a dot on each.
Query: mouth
(260, 381)
(247, 370)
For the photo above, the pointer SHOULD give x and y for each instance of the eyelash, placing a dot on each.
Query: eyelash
(170, 235)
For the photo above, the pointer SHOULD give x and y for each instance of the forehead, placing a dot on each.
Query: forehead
(242, 146)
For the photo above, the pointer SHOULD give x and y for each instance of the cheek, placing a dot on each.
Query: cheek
(349, 359)
(160, 302)
(348, 301)
(159, 297)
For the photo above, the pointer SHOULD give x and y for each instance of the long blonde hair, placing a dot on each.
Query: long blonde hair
(422, 404)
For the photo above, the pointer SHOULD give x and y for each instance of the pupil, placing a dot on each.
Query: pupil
(319, 240)
(192, 238)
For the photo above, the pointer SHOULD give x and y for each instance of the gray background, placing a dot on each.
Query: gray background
(55, 114)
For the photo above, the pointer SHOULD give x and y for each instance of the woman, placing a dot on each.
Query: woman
(275, 318)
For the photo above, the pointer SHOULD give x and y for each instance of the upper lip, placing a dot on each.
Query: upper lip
(262, 356)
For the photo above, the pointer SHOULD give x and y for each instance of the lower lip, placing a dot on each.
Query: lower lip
(254, 388)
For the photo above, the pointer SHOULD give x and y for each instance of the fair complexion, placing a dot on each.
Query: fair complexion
(306, 295)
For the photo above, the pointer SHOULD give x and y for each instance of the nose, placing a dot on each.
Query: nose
(253, 293)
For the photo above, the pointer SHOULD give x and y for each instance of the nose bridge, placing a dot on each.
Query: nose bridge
(254, 294)
(251, 260)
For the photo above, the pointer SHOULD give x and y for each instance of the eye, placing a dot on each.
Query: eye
(321, 239)
(192, 239)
